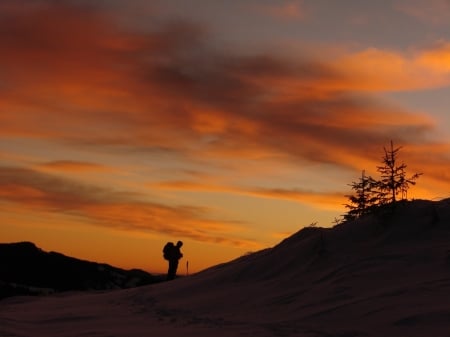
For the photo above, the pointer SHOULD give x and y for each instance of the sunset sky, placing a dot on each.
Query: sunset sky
(228, 125)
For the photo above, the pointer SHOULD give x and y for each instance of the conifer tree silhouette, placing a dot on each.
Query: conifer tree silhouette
(371, 193)
(393, 177)
(365, 197)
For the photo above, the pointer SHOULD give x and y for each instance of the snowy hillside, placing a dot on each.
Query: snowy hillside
(382, 275)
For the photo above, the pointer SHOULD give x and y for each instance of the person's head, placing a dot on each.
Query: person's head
(179, 244)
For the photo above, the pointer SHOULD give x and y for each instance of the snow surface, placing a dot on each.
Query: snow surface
(384, 275)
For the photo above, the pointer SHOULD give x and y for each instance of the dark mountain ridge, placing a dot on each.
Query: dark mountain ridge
(28, 270)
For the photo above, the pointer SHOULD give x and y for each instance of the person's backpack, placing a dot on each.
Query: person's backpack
(168, 250)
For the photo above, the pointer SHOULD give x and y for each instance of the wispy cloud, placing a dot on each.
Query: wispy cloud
(317, 199)
(36, 191)
(74, 166)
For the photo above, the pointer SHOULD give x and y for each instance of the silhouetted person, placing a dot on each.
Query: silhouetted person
(172, 254)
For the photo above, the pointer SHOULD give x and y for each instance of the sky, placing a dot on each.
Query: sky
(229, 125)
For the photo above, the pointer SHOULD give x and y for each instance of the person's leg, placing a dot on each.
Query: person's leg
(175, 267)
(171, 272)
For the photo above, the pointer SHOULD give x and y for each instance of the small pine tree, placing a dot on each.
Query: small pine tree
(393, 177)
(365, 197)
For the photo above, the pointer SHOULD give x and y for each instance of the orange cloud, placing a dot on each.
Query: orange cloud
(437, 58)
(381, 70)
(75, 76)
(121, 210)
(152, 79)
(317, 199)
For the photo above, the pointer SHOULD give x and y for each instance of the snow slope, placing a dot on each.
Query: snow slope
(383, 275)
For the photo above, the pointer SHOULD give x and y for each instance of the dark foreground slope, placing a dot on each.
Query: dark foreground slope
(28, 270)
(383, 275)
(387, 274)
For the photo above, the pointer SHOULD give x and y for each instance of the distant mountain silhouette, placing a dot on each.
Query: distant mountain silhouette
(28, 270)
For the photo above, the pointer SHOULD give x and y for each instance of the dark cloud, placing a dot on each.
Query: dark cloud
(72, 165)
(45, 190)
